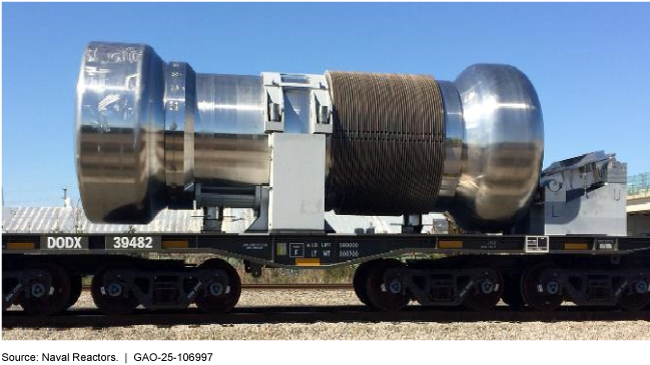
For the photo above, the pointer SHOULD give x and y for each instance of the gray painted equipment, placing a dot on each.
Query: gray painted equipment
(152, 134)
(584, 195)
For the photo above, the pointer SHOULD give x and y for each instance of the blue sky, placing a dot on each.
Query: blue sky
(588, 62)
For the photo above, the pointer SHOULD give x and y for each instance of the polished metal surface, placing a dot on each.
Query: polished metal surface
(230, 148)
(148, 132)
(296, 114)
(454, 137)
(120, 133)
(180, 119)
(503, 147)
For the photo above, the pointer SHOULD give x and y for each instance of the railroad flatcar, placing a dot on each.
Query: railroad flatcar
(152, 135)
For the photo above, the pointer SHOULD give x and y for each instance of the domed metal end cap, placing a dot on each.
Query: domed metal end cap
(503, 147)
(120, 133)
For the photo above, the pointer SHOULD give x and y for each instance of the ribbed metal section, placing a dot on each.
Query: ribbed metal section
(387, 150)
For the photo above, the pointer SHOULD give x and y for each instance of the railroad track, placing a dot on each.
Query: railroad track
(298, 286)
(253, 286)
(282, 314)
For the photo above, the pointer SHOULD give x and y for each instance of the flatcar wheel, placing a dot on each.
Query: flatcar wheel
(75, 290)
(636, 296)
(359, 280)
(114, 298)
(5, 304)
(541, 288)
(6, 289)
(486, 292)
(43, 302)
(512, 292)
(392, 297)
(216, 297)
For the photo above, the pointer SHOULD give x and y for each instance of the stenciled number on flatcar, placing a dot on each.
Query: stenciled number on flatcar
(133, 242)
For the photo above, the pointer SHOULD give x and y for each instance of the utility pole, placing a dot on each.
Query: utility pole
(66, 200)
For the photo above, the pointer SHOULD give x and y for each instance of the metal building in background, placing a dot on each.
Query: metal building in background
(71, 220)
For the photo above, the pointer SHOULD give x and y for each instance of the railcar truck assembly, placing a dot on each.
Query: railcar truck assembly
(152, 135)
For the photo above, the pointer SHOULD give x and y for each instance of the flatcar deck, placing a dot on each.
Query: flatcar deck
(308, 250)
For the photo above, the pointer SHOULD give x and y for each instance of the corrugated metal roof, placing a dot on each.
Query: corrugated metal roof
(70, 219)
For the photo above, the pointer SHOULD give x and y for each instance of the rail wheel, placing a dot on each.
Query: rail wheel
(541, 288)
(219, 296)
(392, 297)
(486, 291)
(5, 304)
(111, 293)
(43, 302)
(6, 290)
(359, 280)
(512, 292)
(75, 290)
(636, 296)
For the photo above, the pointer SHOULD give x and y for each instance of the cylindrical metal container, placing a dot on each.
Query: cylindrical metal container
(149, 131)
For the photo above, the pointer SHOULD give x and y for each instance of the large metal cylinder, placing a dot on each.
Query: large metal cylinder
(388, 141)
(149, 131)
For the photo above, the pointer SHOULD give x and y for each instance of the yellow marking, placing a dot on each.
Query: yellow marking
(576, 246)
(281, 249)
(20, 245)
(450, 244)
(307, 262)
(175, 244)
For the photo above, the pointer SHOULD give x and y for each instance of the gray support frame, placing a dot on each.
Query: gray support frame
(585, 195)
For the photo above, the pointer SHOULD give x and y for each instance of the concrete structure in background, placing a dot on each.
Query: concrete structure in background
(638, 205)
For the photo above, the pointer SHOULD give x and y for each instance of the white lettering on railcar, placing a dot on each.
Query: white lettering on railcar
(348, 253)
(133, 242)
(64, 243)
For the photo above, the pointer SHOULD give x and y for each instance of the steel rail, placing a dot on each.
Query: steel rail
(299, 286)
(92, 318)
